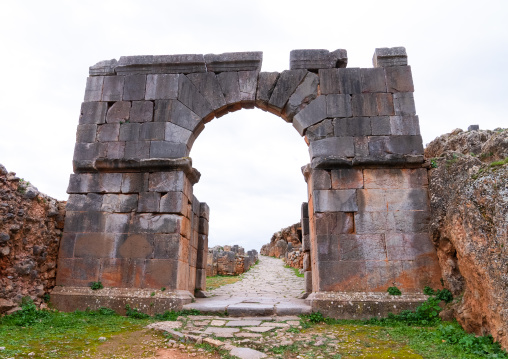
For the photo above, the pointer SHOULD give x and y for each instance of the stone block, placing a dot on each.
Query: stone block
(364, 104)
(329, 82)
(408, 221)
(119, 203)
(93, 90)
(84, 202)
(308, 281)
(473, 128)
(371, 200)
(399, 79)
(266, 85)
(320, 179)
(306, 242)
(203, 226)
(105, 67)
(389, 56)
(86, 151)
(152, 131)
(116, 223)
(163, 149)
(313, 113)
(201, 279)
(160, 64)
(113, 88)
(204, 211)
(80, 272)
(354, 126)
(355, 247)
(110, 182)
(372, 80)
(230, 86)
(385, 106)
(175, 133)
(83, 183)
(414, 199)
(168, 223)
(349, 81)
(115, 150)
(320, 130)
(208, 85)
(86, 133)
(160, 273)
(395, 178)
(173, 202)
(118, 272)
(134, 88)
(371, 222)
(380, 146)
(408, 246)
(314, 60)
(141, 111)
(119, 112)
(149, 202)
(380, 126)
(108, 132)
(333, 146)
(286, 85)
(129, 132)
(66, 249)
(305, 226)
(166, 246)
(174, 181)
(234, 61)
(342, 276)
(404, 104)
(334, 223)
(335, 201)
(134, 182)
(248, 81)
(339, 105)
(347, 178)
(83, 222)
(135, 246)
(189, 95)
(137, 149)
(361, 146)
(161, 86)
(303, 95)
(93, 112)
(306, 262)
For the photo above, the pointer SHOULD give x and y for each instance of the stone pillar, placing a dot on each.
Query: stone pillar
(128, 228)
(202, 249)
(306, 245)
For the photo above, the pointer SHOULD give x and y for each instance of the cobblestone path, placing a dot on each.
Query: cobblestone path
(266, 289)
(268, 279)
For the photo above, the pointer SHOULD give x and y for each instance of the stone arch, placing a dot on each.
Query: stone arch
(133, 221)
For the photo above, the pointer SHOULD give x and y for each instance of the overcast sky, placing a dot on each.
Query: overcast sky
(249, 160)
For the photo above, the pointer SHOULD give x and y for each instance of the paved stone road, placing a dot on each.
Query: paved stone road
(267, 289)
(268, 279)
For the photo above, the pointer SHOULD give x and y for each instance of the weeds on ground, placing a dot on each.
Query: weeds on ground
(296, 270)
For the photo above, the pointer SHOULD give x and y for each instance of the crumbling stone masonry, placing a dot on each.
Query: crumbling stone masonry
(133, 222)
(229, 260)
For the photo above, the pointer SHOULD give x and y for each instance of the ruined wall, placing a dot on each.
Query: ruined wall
(469, 225)
(31, 226)
(229, 260)
(283, 241)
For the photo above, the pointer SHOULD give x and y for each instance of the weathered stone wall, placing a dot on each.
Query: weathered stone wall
(31, 226)
(469, 225)
(229, 260)
(283, 241)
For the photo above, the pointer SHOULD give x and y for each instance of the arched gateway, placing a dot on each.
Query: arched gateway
(134, 224)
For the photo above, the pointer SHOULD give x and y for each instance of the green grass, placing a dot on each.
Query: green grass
(499, 163)
(219, 280)
(296, 270)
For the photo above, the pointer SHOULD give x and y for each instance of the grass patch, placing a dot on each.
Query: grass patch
(295, 270)
(499, 163)
(219, 280)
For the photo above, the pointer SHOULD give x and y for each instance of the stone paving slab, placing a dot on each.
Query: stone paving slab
(222, 332)
(243, 323)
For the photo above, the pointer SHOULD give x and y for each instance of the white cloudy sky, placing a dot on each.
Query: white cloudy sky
(250, 160)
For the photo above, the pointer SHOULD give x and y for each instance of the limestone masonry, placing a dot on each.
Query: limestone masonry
(134, 224)
(229, 260)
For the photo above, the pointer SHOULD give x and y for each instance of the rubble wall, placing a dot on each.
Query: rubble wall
(31, 225)
(230, 260)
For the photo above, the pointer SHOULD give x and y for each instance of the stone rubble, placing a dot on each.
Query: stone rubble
(31, 226)
(287, 244)
(229, 260)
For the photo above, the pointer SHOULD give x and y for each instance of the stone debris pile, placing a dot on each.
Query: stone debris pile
(287, 244)
(229, 260)
(31, 226)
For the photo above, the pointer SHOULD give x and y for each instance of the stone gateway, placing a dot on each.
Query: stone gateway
(132, 220)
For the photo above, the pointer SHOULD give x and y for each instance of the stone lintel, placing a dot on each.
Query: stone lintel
(160, 64)
(316, 59)
(392, 160)
(68, 299)
(105, 67)
(389, 56)
(362, 305)
(234, 61)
